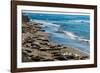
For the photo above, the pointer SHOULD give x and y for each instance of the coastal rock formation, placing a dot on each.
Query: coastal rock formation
(36, 46)
(25, 19)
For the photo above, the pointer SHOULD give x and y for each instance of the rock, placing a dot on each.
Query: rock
(56, 54)
(59, 45)
(24, 29)
(45, 47)
(52, 47)
(41, 38)
(29, 51)
(28, 45)
(34, 37)
(28, 40)
(25, 58)
(43, 43)
(35, 52)
(42, 49)
(65, 53)
(70, 57)
(37, 58)
(35, 42)
(43, 34)
(35, 46)
(25, 19)
(84, 57)
(47, 59)
(42, 30)
(61, 58)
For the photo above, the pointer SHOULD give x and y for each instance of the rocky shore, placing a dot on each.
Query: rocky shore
(36, 46)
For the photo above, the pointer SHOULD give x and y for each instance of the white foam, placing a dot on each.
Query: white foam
(70, 34)
(53, 27)
(56, 27)
(46, 23)
(75, 37)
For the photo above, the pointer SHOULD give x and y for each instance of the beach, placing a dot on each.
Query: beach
(37, 47)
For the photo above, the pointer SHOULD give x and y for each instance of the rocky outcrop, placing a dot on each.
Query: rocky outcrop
(36, 46)
(25, 18)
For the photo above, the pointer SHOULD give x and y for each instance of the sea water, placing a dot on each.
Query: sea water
(71, 30)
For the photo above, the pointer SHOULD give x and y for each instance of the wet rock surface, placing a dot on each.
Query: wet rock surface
(36, 46)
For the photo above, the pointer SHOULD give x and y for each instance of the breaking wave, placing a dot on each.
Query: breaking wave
(75, 37)
(62, 36)
(55, 28)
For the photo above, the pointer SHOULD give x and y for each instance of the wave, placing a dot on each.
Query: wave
(51, 26)
(66, 21)
(76, 21)
(75, 37)
(54, 23)
(46, 23)
(57, 29)
(79, 21)
(70, 34)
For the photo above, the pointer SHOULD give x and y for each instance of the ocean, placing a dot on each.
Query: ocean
(70, 30)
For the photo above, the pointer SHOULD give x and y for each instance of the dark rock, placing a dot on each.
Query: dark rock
(29, 51)
(25, 57)
(46, 40)
(47, 60)
(28, 45)
(38, 47)
(57, 54)
(29, 40)
(43, 49)
(61, 58)
(70, 57)
(24, 29)
(58, 45)
(42, 30)
(25, 18)
(37, 58)
(84, 57)
(35, 46)
(44, 43)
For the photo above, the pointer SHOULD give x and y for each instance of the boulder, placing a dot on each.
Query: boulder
(25, 19)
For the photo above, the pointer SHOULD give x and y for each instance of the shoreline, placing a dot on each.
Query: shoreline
(37, 47)
(58, 31)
